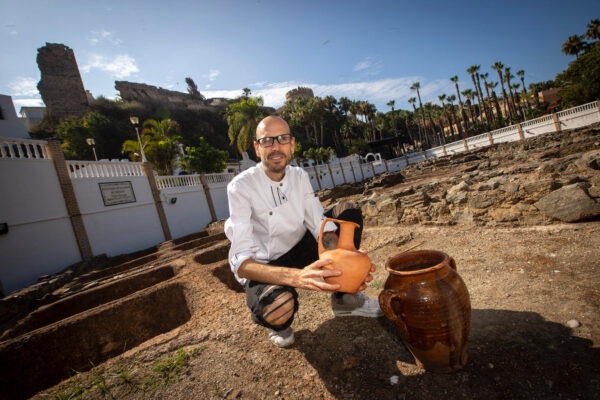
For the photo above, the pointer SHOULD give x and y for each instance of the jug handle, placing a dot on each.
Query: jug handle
(386, 297)
(452, 263)
(349, 235)
(321, 247)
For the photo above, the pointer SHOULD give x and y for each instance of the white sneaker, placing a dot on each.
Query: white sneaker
(358, 304)
(282, 338)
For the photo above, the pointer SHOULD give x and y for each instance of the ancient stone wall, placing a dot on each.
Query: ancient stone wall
(61, 86)
(130, 91)
(300, 91)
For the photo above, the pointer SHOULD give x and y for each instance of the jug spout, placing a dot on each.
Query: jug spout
(345, 236)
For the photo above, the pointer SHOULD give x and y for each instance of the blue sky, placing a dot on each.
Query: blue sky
(364, 50)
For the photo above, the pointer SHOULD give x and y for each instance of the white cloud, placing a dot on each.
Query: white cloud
(121, 66)
(27, 103)
(368, 66)
(103, 35)
(378, 92)
(24, 86)
(363, 65)
(212, 74)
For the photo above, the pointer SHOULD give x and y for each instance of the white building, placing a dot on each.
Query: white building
(10, 127)
(31, 115)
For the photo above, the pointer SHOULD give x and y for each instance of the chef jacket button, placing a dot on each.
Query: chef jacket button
(270, 212)
(280, 184)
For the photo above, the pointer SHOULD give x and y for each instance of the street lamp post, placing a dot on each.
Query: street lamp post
(135, 121)
(92, 142)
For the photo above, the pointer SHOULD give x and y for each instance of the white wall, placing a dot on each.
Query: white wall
(190, 212)
(122, 228)
(40, 237)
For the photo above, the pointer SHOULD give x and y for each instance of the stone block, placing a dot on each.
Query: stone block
(569, 204)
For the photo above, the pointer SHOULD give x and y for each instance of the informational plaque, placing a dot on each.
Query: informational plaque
(114, 193)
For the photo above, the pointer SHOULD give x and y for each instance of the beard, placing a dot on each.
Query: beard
(277, 167)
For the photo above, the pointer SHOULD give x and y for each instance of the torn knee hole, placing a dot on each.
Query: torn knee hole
(280, 311)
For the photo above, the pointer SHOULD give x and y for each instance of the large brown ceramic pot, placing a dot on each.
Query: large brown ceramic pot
(429, 303)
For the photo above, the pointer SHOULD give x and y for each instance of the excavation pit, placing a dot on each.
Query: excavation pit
(44, 357)
(223, 273)
(200, 243)
(89, 299)
(213, 255)
(99, 274)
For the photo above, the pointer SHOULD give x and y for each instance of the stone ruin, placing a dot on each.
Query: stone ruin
(140, 92)
(300, 91)
(60, 85)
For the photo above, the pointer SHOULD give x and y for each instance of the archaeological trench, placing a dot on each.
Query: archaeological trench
(91, 312)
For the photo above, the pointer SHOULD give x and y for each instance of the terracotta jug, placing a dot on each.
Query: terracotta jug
(429, 303)
(354, 265)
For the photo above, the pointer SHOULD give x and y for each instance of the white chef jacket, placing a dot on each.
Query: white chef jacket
(268, 218)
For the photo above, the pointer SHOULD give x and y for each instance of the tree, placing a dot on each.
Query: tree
(246, 93)
(493, 86)
(462, 109)
(580, 83)
(204, 158)
(243, 118)
(472, 70)
(391, 104)
(162, 147)
(412, 101)
(508, 76)
(193, 89)
(498, 66)
(107, 133)
(573, 46)
(593, 31)
(470, 95)
(416, 86)
(451, 100)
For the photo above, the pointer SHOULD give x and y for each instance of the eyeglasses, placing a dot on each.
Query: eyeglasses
(268, 141)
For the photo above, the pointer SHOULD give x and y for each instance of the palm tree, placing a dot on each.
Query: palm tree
(508, 76)
(412, 101)
(593, 31)
(441, 98)
(486, 100)
(247, 93)
(451, 100)
(242, 119)
(416, 86)
(493, 86)
(498, 66)
(160, 143)
(391, 104)
(521, 74)
(470, 95)
(472, 70)
(462, 110)
(573, 46)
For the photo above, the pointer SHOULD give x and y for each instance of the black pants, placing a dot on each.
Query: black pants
(305, 252)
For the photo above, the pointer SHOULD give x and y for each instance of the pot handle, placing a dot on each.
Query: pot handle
(386, 297)
(452, 263)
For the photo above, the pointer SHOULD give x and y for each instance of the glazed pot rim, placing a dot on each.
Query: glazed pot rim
(440, 265)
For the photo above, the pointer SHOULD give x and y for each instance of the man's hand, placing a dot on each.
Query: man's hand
(312, 277)
(369, 277)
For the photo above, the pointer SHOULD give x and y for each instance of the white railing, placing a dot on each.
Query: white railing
(23, 149)
(219, 178)
(103, 169)
(164, 182)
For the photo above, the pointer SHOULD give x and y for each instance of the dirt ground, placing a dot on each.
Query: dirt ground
(535, 330)
(525, 284)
